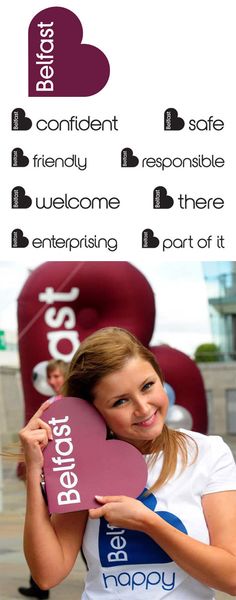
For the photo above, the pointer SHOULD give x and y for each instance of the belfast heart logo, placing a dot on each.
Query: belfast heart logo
(128, 159)
(18, 158)
(18, 239)
(80, 463)
(59, 63)
(172, 122)
(149, 240)
(19, 198)
(135, 547)
(161, 199)
(19, 122)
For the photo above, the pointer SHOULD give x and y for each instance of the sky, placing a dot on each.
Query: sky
(182, 319)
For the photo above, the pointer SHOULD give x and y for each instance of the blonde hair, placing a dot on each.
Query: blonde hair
(59, 364)
(108, 350)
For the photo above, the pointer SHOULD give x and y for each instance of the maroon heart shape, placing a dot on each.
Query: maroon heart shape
(80, 463)
(59, 64)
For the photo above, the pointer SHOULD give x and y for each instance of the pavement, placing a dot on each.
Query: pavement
(13, 568)
(14, 571)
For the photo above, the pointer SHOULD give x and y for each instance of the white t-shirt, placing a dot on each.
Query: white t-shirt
(125, 564)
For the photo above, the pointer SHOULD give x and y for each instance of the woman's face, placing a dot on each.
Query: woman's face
(132, 401)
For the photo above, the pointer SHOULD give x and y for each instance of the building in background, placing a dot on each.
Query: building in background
(220, 278)
(9, 355)
(220, 377)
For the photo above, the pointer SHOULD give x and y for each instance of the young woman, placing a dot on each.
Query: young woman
(179, 538)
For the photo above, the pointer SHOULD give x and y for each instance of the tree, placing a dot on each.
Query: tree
(207, 353)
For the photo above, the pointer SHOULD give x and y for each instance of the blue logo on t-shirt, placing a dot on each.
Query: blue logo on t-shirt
(119, 546)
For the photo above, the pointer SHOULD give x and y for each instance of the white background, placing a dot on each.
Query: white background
(161, 54)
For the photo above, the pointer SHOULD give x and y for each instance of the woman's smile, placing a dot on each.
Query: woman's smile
(148, 422)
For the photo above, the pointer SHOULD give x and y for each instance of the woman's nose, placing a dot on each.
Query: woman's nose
(140, 407)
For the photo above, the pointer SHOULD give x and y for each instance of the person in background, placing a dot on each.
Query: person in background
(56, 374)
(56, 371)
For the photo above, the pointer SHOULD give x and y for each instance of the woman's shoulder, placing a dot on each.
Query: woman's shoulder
(210, 447)
(215, 460)
(204, 440)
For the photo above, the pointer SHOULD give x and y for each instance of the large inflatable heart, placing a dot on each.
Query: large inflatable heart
(61, 303)
(184, 376)
(80, 463)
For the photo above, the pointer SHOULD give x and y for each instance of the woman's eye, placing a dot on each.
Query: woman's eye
(148, 385)
(119, 402)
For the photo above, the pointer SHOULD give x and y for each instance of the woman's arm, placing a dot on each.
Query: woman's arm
(51, 545)
(213, 565)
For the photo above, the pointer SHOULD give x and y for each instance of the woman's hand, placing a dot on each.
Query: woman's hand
(122, 511)
(34, 438)
(213, 565)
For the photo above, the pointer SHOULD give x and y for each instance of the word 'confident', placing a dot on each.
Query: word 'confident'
(64, 461)
(74, 123)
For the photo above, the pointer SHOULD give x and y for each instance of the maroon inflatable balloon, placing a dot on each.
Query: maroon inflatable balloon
(61, 303)
(185, 378)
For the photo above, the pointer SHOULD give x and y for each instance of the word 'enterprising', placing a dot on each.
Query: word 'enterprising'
(19, 240)
(73, 243)
(64, 462)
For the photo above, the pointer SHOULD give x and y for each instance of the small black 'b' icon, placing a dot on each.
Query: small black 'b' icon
(149, 240)
(128, 158)
(19, 122)
(18, 158)
(18, 240)
(19, 198)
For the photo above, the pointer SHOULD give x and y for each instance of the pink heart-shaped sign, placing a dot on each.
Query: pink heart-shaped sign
(80, 463)
(59, 64)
